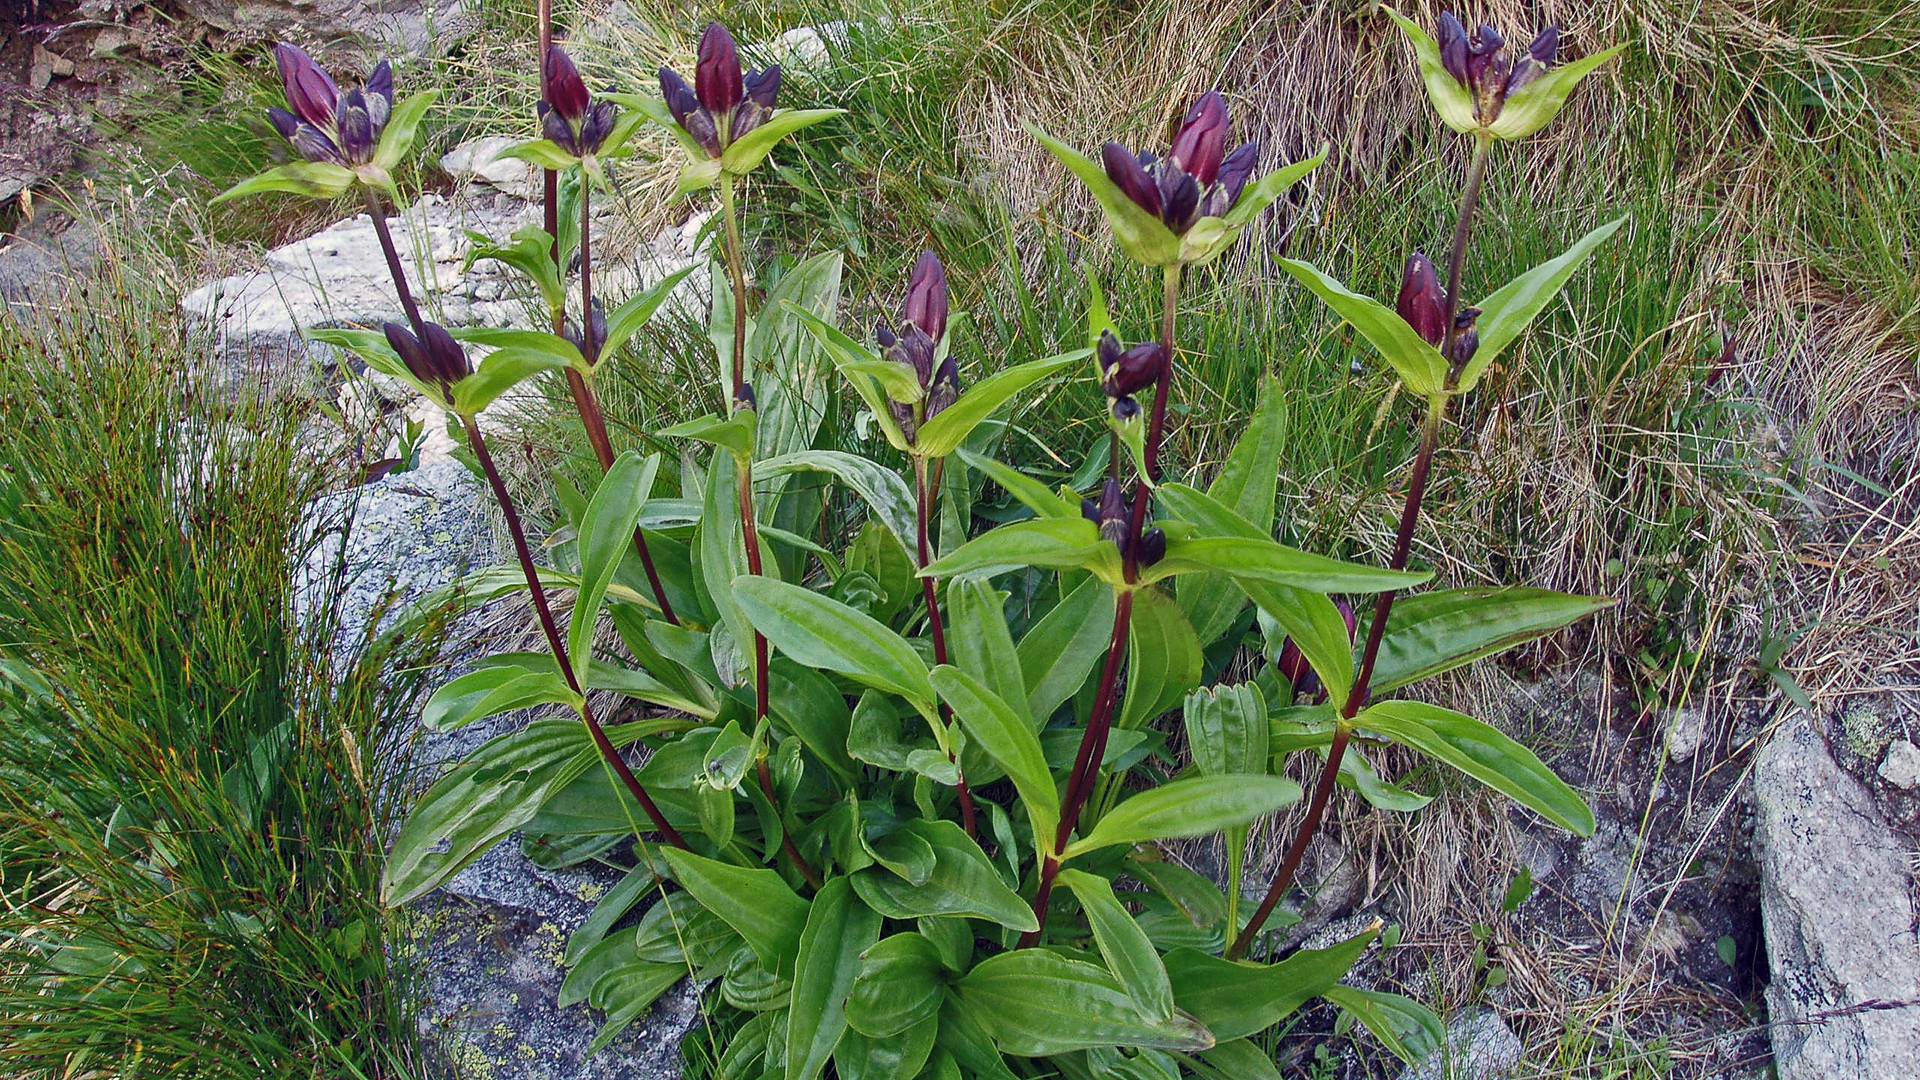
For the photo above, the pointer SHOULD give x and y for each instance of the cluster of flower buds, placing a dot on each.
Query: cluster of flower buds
(722, 104)
(568, 114)
(1292, 663)
(1114, 514)
(1125, 372)
(1196, 179)
(435, 358)
(1480, 62)
(918, 344)
(1423, 304)
(324, 124)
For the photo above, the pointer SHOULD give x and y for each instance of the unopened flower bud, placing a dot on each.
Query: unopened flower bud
(1153, 547)
(716, 76)
(743, 397)
(1423, 303)
(566, 91)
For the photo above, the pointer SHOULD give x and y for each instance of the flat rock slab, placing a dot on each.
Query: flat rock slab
(1837, 903)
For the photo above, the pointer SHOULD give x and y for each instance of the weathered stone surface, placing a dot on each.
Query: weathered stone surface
(396, 26)
(483, 161)
(339, 277)
(1837, 903)
(1479, 1046)
(1901, 766)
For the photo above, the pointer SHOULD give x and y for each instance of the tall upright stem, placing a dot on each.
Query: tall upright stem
(1402, 548)
(377, 210)
(923, 501)
(558, 644)
(1086, 764)
(588, 404)
(1156, 419)
(749, 529)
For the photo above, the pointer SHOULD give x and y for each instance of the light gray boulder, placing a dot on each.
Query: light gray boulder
(1838, 911)
(1479, 1046)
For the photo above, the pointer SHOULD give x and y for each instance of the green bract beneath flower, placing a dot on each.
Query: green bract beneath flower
(1479, 90)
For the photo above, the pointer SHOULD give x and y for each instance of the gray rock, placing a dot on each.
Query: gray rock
(397, 539)
(1837, 907)
(493, 940)
(483, 161)
(339, 277)
(394, 26)
(1901, 766)
(1479, 1046)
(1686, 732)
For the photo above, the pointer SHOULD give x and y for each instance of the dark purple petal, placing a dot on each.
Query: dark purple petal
(914, 349)
(355, 128)
(764, 86)
(1484, 58)
(597, 126)
(448, 358)
(556, 129)
(1180, 199)
(1237, 169)
(744, 398)
(1423, 303)
(679, 96)
(1130, 177)
(1108, 351)
(1125, 409)
(412, 353)
(716, 76)
(312, 143)
(1452, 40)
(1153, 547)
(884, 336)
(566, 91)
(1090, 510)
(946, 387)
(700, 125)
(380, 84)
(749, 114)
(1466, 337)
(311, 92)
(926, 303)
(1114, 514)
(1198, 144)
(1545, 46)
(283, 122)
(1138, 368)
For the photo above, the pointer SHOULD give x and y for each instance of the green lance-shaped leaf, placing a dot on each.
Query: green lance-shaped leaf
(502, 685)
(313, 179)
(606, 535)
(530, 253)
(899, 1057)
(1164, 659)
(881, 488)
(1193, 807)
(1143, 236)
(1210, 237)
(1129, 954)
(1005, 736)
(756, 903)
(626, 320)
(1260, 559)
(1418, 364)
(628, 993)
(816, 631)
(963, 883)
(1050, 543)
(501, 371)
(498, 788)
(1237, 998)
(1227, 729)
(745, 153)
(1404, 1026)
(874, 379)
(371, 346)
(981, 642)
(1534, 105)
(543, 154)
(839, 929)
(1240, 1059)
(1247, 485)
(1482, 752)
(901, 983)
(1432, 632)
(1034, 495)
(735, 433)
(1510, 310)
(943, 434)
(396, 141)
(1450, 97)
(1060, 651)
(1036, 1003)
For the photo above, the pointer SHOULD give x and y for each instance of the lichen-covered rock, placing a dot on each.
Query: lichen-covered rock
(1479, 1046)
(1837, 902)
